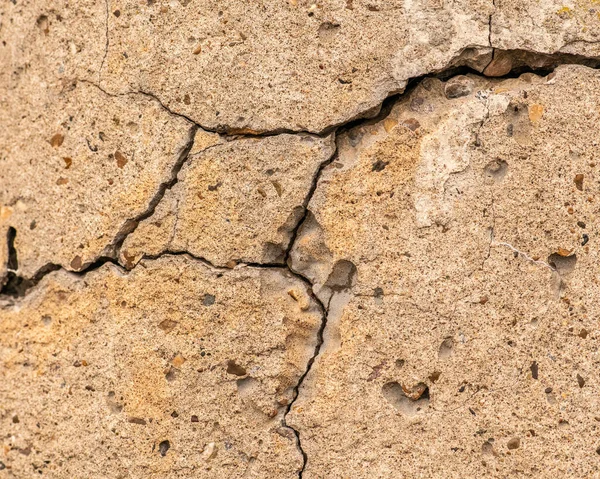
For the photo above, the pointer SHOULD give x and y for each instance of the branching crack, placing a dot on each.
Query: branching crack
(17, 287)
(324, 309)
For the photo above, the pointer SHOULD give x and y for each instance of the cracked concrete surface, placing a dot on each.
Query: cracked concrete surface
(237, 202)
(466, 219)
(295, 239)
(81, 174)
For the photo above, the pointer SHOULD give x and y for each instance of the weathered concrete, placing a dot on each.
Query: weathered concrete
(236, 240)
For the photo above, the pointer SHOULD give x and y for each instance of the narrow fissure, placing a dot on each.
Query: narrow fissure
(107, 42)
(490, 25)
(309, 365)
(311, 192)
(131, 225)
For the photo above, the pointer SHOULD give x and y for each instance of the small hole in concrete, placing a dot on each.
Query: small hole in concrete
(163, 447)
(235, 369)
(445, 350)
(562, 264)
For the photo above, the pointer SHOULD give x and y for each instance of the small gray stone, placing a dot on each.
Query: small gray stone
(458, 86)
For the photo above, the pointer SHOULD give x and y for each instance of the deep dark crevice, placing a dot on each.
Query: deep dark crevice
(17, 286)
(12, 282)
(513, 63)
(13, 263)
(521, 61)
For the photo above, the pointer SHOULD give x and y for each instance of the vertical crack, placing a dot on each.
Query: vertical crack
(311, 361)
(309, 195)
(106, 45)
(12, 282)
(324, 309)
(13, 263)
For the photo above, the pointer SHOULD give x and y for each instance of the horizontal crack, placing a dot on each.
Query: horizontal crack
(522, 61)
(225, 131)
(22, 287)
(521, 57)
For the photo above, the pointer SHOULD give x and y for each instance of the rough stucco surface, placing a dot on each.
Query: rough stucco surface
(470, 269)
(349, 239)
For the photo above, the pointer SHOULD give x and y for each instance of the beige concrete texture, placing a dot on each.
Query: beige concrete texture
(299, 239)
(173, 368)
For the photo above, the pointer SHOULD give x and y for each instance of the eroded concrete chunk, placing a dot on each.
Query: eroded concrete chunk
(236, 201)
(463, 344)
(76, 173)
(171, 368)
(289, 65)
